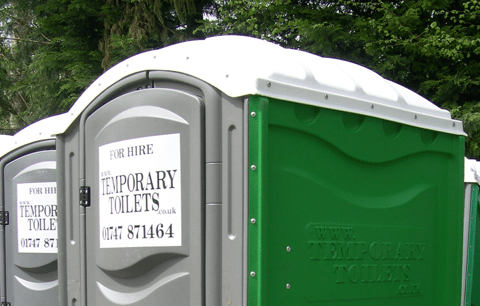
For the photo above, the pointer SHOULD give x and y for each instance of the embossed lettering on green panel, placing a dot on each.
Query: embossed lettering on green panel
(353, 210)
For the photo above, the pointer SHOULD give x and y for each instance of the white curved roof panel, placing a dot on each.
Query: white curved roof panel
(41, 130)
(472, 173)
(6, 142)
(242, 66)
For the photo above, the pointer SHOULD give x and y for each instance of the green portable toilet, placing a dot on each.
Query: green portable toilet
(232, 171)
(471, 275)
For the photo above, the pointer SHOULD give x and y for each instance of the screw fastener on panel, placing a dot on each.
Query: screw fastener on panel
(269, 84)
(252, 274)
(287, 286)
(253, 167)
(253, 114)
(253, 221)
(288, 248)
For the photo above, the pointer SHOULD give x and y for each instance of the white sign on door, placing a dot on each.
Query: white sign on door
(140, 192)
(37, 217)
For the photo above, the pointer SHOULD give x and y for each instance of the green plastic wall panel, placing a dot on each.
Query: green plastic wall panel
(346, 209)
(476, 269)
(472, 294)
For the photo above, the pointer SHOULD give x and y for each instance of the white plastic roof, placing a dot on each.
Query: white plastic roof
(243, 66)
(6, 142)
(41, 130)
(471, 173)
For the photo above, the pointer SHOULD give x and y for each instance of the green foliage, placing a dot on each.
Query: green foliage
(433, 48)
(133, 26)
(429, 46)
(50, 51)
(48, 55)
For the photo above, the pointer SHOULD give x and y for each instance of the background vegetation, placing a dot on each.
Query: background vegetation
(51, 50)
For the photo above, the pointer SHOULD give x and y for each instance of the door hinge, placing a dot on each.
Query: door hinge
(85, 196)
(4, 218)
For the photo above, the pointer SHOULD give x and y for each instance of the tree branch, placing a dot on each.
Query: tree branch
(26, 40)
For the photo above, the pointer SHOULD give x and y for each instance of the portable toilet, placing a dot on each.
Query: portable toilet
(28, 201)
(232, 171)
(471, 274)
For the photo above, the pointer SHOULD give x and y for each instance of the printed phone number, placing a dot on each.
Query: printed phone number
(48, 243)
(138, 231)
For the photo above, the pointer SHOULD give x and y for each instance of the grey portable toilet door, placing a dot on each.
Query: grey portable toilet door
(144, 227)
(31, 236)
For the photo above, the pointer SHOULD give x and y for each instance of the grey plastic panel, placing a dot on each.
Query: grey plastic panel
(234, 243)
(70, 215)
(226, 224)
(116, 272)
(223, 180)
(213, 107)
(71, 172)
(214, 181)
(213, 255)
(30, 198)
